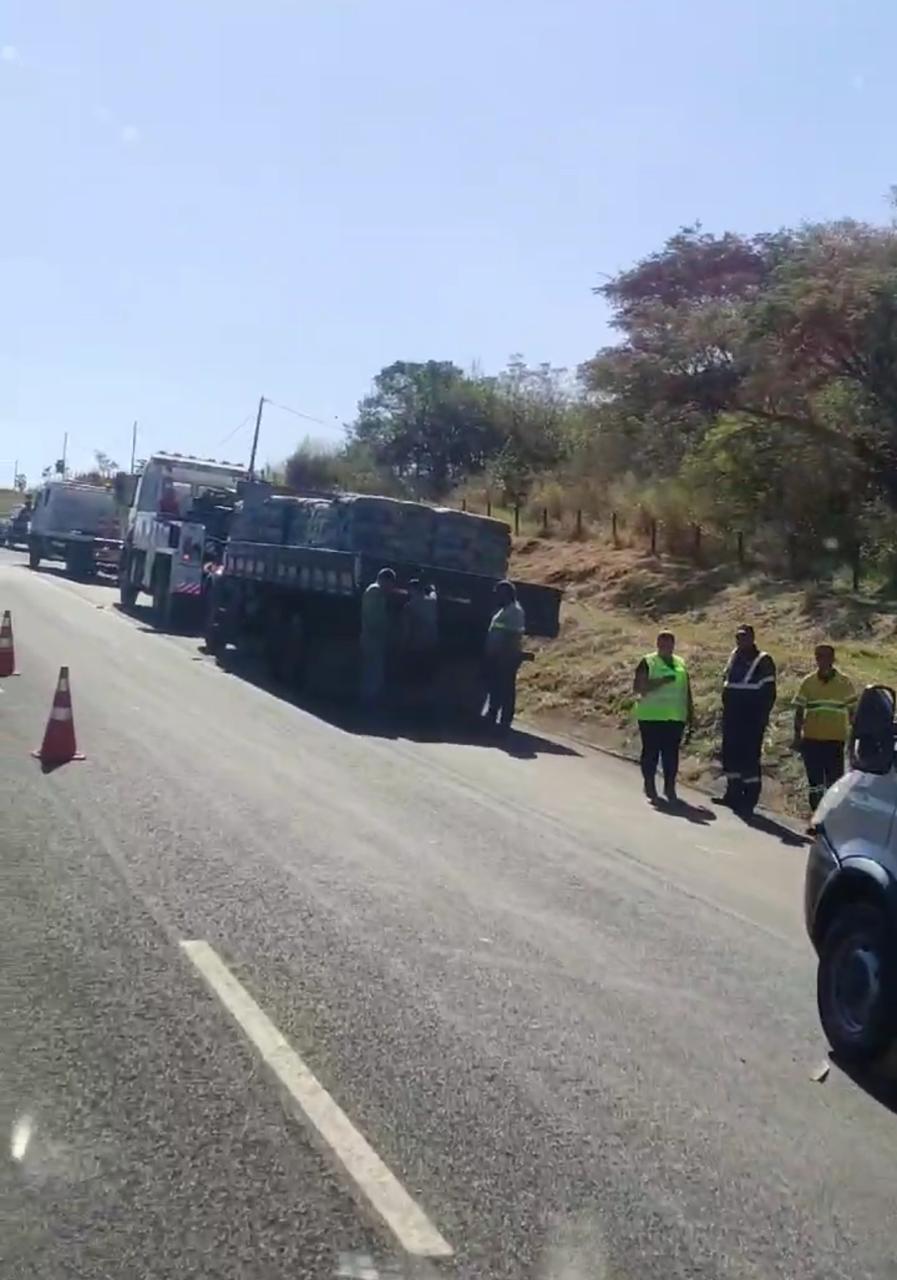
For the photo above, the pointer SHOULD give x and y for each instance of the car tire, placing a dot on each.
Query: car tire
(855, 983)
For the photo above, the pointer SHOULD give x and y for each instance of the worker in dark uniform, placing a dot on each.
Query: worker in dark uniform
(749, 694)
(420, 646)
(375, 634)
(504, 655)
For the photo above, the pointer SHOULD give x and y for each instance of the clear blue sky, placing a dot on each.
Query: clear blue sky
(204, 200)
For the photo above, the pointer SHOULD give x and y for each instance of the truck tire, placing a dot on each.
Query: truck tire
(285, 650)
(212, 630)
(127, 589)
(161, 595)
(79, 561)
(34, 553)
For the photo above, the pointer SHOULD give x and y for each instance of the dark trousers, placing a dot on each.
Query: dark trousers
(661, 740)
(742, 749)
(501, 683)
(824, 763)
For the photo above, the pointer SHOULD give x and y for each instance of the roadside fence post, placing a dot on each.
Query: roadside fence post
(579, 522)
(613, 529)
(792, 554)
(517, 517)
(544, 519)
(654, 537)
(741, 548)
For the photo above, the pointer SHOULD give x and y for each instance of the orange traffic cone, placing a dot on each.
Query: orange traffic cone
(7, 648)
(59, 745)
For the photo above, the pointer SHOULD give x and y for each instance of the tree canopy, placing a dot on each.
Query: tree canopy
(754, 375)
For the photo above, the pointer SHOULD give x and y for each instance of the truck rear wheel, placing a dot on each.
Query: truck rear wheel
(79, 562)
(127, 590)
(161, 596)
(285, 650)
(212, 629)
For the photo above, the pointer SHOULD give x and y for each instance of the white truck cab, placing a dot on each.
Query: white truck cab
(850, 890)
(178, 504)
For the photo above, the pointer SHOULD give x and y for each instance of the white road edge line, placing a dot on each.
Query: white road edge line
(380, 1187)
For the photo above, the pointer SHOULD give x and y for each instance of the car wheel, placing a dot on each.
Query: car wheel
(855, 983)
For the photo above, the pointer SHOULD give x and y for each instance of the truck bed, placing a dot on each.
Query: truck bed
(343, 573)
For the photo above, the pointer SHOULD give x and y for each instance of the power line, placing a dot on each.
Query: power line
(231, 434)
(297, 414)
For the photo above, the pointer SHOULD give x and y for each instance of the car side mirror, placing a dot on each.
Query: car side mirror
(872, 741)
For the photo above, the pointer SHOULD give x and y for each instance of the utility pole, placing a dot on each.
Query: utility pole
(15, 472)
(133, 444)
(255, 438)
(65, 445)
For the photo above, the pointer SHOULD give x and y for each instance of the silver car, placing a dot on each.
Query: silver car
(850, 897)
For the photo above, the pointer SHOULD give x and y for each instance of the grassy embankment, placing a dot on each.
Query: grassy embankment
(615, 602)
(9, 498)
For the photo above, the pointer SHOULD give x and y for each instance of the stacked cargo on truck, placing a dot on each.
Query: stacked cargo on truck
(296, 567)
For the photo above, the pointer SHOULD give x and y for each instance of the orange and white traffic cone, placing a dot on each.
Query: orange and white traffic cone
(59, 745)
(7, 648)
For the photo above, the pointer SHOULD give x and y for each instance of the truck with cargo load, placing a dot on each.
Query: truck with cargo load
(177, 518)
(77, 523)
(295, 569)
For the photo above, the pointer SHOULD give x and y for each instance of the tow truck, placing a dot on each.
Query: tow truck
(176, 527)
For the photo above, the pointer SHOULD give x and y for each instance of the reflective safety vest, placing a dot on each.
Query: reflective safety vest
(668, 701)
(749, 678)
(827, 706)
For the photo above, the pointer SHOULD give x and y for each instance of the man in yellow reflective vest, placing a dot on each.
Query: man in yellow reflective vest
(664, 710)
(823, 711)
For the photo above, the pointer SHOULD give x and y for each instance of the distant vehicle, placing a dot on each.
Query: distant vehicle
(850, 894)
(76, 523)
(295, 569)
(17, 527)
(176, 523)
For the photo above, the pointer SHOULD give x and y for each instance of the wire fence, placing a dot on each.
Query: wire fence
(792, 553)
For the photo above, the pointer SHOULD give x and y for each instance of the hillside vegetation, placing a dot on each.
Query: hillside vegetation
(9, 499)
(617, 600)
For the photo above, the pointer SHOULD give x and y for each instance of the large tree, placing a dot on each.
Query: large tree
(793, 333)
(429, 424)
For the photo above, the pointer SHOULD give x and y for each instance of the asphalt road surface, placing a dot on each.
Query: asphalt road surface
(439, 996)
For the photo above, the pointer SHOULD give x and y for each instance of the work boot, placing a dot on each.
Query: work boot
(671, 794)
(734, 796)
(651, 789)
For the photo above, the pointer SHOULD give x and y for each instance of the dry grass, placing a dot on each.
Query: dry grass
(9, 499)
(615, 602)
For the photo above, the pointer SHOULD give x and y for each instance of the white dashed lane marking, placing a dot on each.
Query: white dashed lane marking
(390, 1201)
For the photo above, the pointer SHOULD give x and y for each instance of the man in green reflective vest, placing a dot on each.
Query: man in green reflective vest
(664, 710)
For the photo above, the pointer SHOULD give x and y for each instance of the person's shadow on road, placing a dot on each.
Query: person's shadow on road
(696, 813)
(769, 826)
